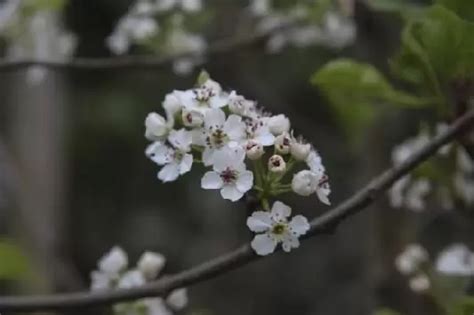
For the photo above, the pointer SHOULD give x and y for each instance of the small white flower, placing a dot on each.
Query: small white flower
(150, 264)
(219, 133)
(276, 164)
(419, 283)
(229, 174)
(300, 150)
(410, 260)
(113, 262)
(283, 143)
(157, 127)
(278, 124)
(416, 193)
(240, 106)
(208, 95)
(457, 259)
(257, 130)
(315, 165)
(396, 193)
(175, 158)
(192, 118)
(177, 299)
(172, 106)
(131, 279)
(305, 183)
(254, 150)
(274, 228)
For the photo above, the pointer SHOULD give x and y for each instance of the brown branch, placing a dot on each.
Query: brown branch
(220, 265)
(219, 47)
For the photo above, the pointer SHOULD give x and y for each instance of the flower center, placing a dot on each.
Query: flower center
(217, 138)
(178, 155)
(229, 176)
(203, 95)
(279, 229)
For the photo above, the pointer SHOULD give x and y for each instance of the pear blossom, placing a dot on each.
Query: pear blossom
(229, 174)
(177, 299)
(456, 260)
(176, 159)
(111, 265)
(156, 127)
(278, 124)
(410, 260)
(305, 183)
(274, 228)
(219, 132)
(150, 264)
(239, 105)
(283, 143)
(276, 164)
(208, 95)
(419, 283)
(254, 150)
(300, 150)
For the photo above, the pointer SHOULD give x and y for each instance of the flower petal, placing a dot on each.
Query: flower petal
(186, 164)
(245, 181)
(235, 128)
(289, 242)
(259, 221)
(230, 192)
(212, 180)
(214, 117)
(280, 211)
(169, 172)
(299, 225)
(181, 139)
(263, 244)
(159, 153)
(208, 156)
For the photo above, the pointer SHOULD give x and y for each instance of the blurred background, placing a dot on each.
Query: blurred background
(74, 180)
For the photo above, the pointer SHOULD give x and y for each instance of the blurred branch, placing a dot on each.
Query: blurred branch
(219, 47)
(325, 223)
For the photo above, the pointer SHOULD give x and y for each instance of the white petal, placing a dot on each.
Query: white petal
(150, 264)
(456, 260)
(289, 242)
(235, 128)
(131, 279)
(208, 156)
(211, 180)
(214, 117)
(259, 221)
(263, 244)
(280, 211)
(299, 225)
(177, 299)
(114, 261)
(159, 153)
(186, 164)
(100, 281)
(266, 139)
(169, 172)
(181, 139)
(218, 101)
(230, 192)
(245, 181)
(323, 193)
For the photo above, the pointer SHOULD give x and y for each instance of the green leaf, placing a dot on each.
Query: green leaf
(13, 262)
(437, 49)
(465, 306)
(202, 77)
(463, 8)
(354, 88)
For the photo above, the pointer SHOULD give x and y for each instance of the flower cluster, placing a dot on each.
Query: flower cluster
(244, 148)
(450, 176)
(112, 273)
(140, 26)
(411, 262)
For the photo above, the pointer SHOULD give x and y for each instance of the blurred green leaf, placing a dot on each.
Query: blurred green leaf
(13, 262)
(354, 88)
(404, 7)
(465, 306)
(463, 8)
(202, 78)
(386, 311)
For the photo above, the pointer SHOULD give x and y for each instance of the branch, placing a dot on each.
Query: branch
(219, 47)
(242, 256)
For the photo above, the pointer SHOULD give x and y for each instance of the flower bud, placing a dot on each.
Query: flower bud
(278, 124)
(304, 183)
(114, 261)
(156, 127)
(177, 299)
(172, 105)
(254, 150)
(150, 264)
(276, 164)
(192, 118)
(283, 143)
(419, 283)
(300, 151)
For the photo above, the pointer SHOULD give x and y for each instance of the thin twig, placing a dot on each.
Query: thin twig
(220, 265)
(219, 47)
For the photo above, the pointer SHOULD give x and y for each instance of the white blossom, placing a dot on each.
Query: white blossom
(177, 299)
(457, 260)
(313, 180)
(276, 164)
(257, 131)
(209, 95)
(150, 264)
(131, 279)
(419, 283)
(241, 106)
(300, 150)
(229, 174)
(156, 126)
(278, 124)
(114, 262)
(410, 260)
(273, 228)
(254, 150)
(305, 183)
(175, 159)
(283, 143)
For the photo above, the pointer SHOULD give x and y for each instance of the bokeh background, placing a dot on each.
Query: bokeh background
(74, 180)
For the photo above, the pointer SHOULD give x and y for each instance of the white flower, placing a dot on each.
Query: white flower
(419, 283)
(101, 280)
(258, 131)
(315, 165)
(305, 183)
(410, 260)
(150, 264)
(131, 279)
(114, 262)
(300, 150)
(177, 299)
(457, 259)
(156, 127)
(172, 106)
(240, 106)
(278, 124)
(396, 192)
(254, 150)
(208, 95)
(229, 174)
(175, 158)
(218, 133)
(283, 143)
(276, 164)
(274, 228)
(416, 193)
(192, 118)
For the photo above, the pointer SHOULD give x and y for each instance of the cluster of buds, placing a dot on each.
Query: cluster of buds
(113, 273)
(245, 148)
